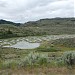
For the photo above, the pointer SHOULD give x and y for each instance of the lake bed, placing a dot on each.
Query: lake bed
(30, 42)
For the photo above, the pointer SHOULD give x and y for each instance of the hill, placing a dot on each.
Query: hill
(51, 22)
(52, 26)
(55, 26)
(9, 22)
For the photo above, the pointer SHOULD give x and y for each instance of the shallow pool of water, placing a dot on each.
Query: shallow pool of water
(27, 42)
(24, 45)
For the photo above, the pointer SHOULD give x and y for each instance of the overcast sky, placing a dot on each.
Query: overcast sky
(30, 10)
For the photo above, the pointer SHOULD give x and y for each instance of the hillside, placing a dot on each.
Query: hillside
(9, 22)
(36, 28)
(70, 42)
(51, 22)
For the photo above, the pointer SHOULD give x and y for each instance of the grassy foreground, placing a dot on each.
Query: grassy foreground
(51, 58)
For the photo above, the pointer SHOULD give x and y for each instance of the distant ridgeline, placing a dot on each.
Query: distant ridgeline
(54, 26)
(8, 22)
(51, 22)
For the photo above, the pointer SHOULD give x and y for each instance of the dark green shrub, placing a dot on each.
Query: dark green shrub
(47, 49)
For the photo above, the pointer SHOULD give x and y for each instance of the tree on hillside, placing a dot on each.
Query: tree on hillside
(9, 31)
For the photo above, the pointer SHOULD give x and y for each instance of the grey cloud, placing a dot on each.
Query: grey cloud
(3, 4)
(28, 10)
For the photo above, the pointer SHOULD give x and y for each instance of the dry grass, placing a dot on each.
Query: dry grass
(40, 71)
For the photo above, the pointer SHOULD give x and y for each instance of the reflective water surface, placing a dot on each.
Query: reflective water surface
(24, 45)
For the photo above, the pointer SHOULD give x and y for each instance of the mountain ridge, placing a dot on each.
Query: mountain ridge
(2, 21)
(56, 26)
(9, 22)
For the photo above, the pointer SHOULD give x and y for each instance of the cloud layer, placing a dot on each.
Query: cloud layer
(30, 10)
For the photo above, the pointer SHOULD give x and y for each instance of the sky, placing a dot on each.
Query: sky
(32, 10)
